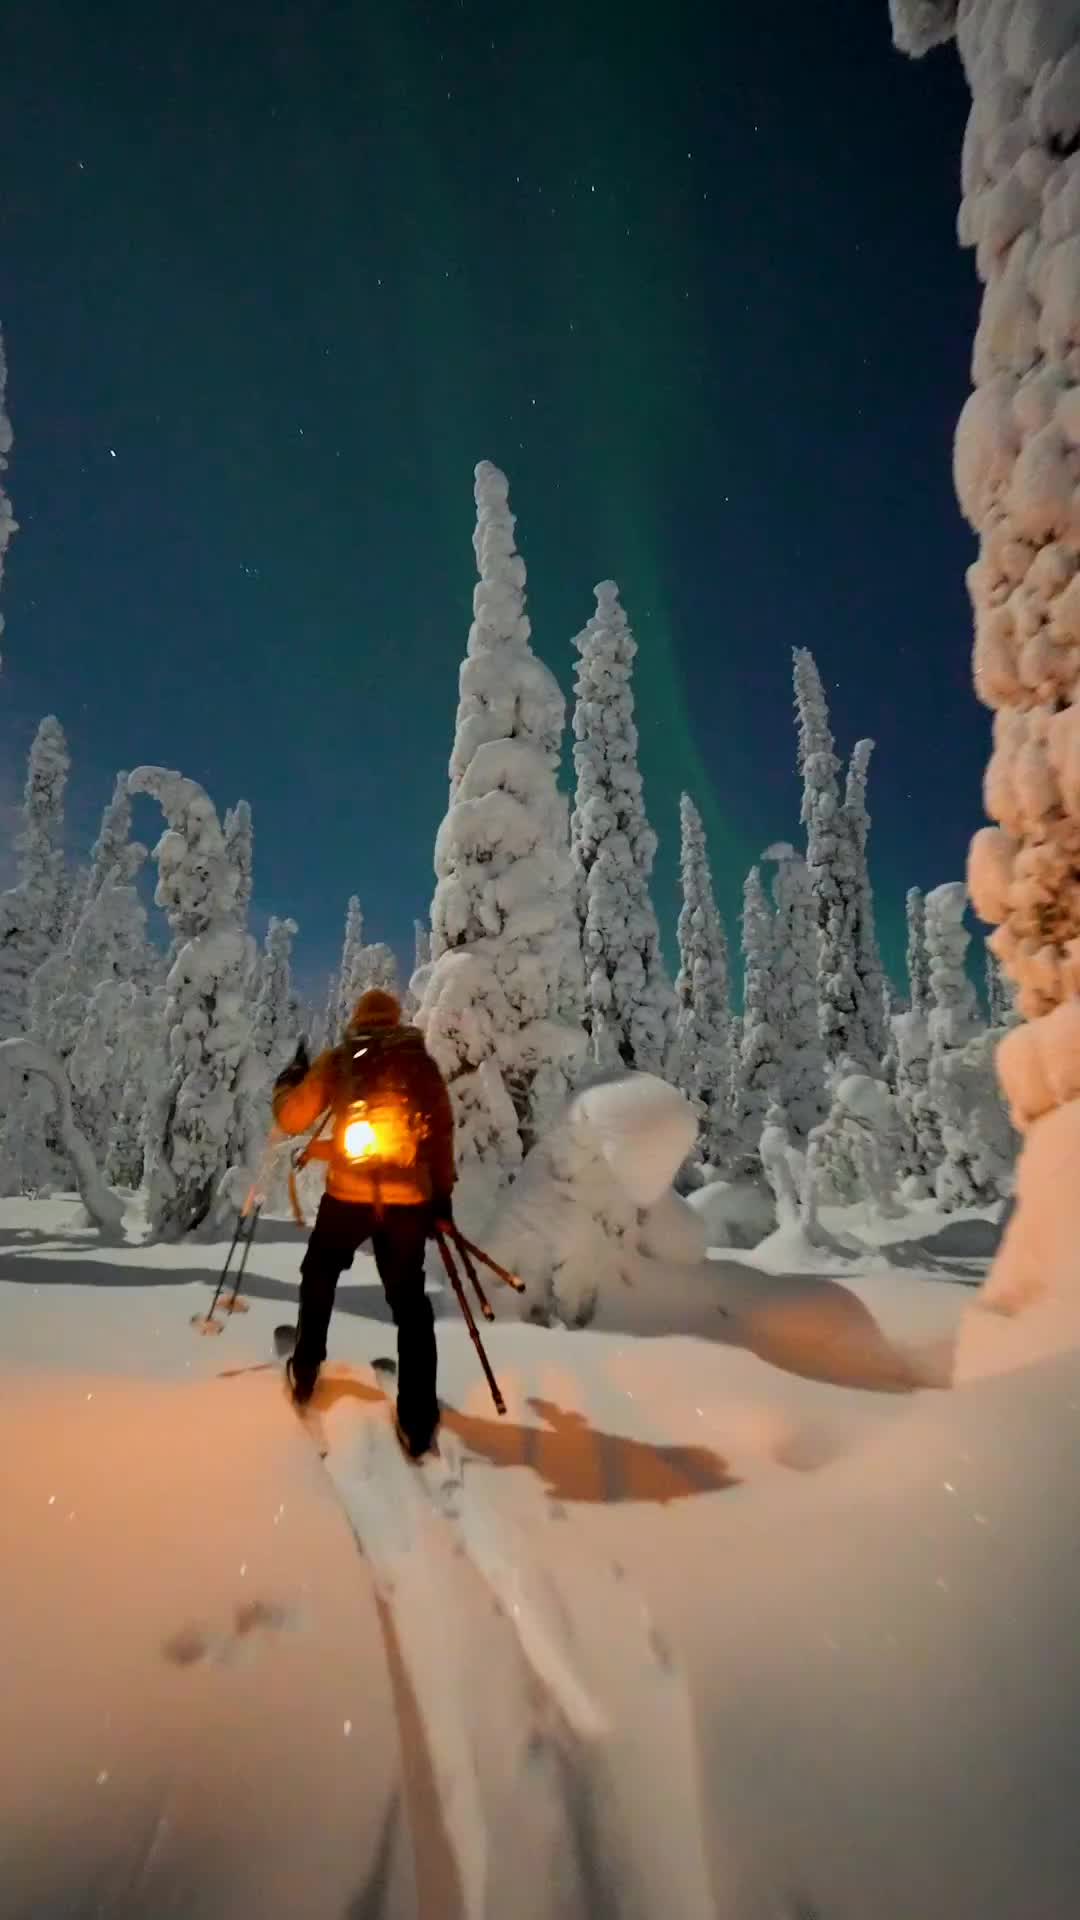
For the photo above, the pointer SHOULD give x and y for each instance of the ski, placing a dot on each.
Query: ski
(309, 1418)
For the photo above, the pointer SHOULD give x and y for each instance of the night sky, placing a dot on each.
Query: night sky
(275, 276)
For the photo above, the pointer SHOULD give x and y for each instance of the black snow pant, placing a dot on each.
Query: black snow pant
(398, 1239)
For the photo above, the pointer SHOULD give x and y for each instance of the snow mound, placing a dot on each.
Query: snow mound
(735, 1213)
(645, 1130)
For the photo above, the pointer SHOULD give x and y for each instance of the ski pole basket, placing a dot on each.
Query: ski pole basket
(208, 1323)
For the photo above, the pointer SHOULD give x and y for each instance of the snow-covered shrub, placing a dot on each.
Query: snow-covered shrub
(501, 1003)
(734, 1213)
(194, 1124)
(854, 1155)
(592, 1210)
(783, 1166)
(630, 1008)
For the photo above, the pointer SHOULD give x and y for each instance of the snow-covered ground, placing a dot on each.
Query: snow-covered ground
(753, 1615)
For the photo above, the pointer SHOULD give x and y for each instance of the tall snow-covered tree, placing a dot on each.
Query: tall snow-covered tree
(195, 1124)
(757, 1071)
(107, 949)
(501, 1008)
(800, 1090)
(630, 1008)
(273, 1026)
(421, 945)
(1000, 1002)
(1015, 464)
(345, 990)
(867, 1039)
(377, 967)
(953, 1024)
(704, 994)
(918, 962)
(240, 848)
(32, 912)
(827, 858)
(9, 526)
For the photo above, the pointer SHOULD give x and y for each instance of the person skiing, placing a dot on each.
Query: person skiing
(383, 1122)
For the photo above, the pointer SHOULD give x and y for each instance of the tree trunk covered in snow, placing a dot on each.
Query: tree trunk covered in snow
(207, 1013)
(630, 1009)
(501, 1006)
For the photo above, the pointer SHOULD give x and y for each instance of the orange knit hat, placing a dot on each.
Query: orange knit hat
(375, 1008)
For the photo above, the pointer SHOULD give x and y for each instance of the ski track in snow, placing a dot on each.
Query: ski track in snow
(561, 1636)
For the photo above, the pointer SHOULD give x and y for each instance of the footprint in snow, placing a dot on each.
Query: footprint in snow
(195, 1644)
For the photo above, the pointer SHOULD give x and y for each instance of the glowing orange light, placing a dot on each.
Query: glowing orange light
(360, 1140)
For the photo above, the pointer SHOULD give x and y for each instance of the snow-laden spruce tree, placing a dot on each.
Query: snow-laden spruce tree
(757, 1069)
(240, 849)
(1000, 999)
(421, 962)
(975, 1141)
(850, 1010)
(344, 988)
(801, 1088)
(703, 992)
(90, 1002)
(377, 967)
(630, 1008)
(207, 1014)
(918, 960)
(1017, 469)
(32, 912)
(919, 1130)
(501, 1007)
(867, 1039)
(827, 858)
(274, 1030)
(8, 523)
(362, 966)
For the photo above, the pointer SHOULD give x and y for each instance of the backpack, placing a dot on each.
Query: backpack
(377, 1134)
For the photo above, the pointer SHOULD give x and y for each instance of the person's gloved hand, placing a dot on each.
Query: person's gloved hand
(298, 1068)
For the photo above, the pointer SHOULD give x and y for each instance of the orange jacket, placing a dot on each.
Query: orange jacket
(297, 1108)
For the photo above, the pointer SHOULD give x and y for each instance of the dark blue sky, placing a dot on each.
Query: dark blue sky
(274, 277)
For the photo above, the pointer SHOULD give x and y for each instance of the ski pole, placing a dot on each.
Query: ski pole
(454, 1278)
(486, 1308)
(234, 1304)
(501, 1273)
(228, 1264)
